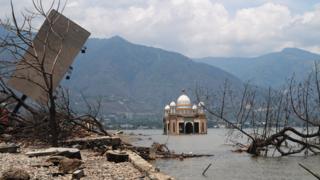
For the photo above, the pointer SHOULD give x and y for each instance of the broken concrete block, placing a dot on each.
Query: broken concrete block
(67, 152)
(15, 174)
(69, 165)
(78, 174)
(117, 156)
(146, 167)
(9, 148)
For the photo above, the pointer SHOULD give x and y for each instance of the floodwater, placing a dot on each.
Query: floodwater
(226, 165)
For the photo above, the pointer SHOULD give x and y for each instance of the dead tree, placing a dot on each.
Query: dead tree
(88, 120)
(270, 115)
(39, 56)
(20, 42)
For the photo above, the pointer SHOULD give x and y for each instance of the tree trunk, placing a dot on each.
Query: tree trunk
(54, 132)
(253, 149)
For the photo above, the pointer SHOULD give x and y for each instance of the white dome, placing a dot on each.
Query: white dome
(167, 107)
(183, 100)
(172, 103)
(194, 107)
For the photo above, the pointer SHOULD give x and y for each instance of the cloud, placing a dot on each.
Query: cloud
(202, 27)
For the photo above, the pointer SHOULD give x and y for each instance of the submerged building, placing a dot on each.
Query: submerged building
(184, 118)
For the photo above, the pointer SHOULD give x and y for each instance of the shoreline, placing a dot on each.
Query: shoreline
(94, 163)
(95, 166)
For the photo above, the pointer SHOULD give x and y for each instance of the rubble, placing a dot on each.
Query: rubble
(67, 152)
(161, 151)
(95, 167)
(78, 174)
(117, 156)
(99, 142)
(15, 174)
(146, 167)
(55, 160)
(67, 165)
(9, 148)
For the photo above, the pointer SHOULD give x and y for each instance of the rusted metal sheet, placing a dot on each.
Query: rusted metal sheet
(56, 45)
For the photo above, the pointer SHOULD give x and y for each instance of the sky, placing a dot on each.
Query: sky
(198, 28)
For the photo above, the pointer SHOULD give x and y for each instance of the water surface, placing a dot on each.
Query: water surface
(226, 164)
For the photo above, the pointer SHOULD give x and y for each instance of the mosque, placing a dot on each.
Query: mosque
(184, 118)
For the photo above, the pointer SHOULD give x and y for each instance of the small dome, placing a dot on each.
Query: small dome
(167, 107)
(201, 104)
(172, 104)
(194, 107)
(183, 100)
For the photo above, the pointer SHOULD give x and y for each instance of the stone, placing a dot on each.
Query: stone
(117, 156)
(78, 174)
(15, 174)
(67, 152)
(9, 148)
(69, 165)
(55, 160)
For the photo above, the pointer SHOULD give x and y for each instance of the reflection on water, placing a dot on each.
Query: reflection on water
(226, 165)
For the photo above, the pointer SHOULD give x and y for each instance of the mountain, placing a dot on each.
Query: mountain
(272, 69)
(133, 78)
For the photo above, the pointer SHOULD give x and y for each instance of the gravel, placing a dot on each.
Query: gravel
(95, 167)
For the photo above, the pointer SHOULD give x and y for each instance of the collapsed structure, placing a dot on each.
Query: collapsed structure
(184, 118)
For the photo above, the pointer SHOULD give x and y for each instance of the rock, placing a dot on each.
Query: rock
(69, 165)
(15, 174)
(78, 174)
(67, 152)
(9, 148)
(117, 156)
(55, 160)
